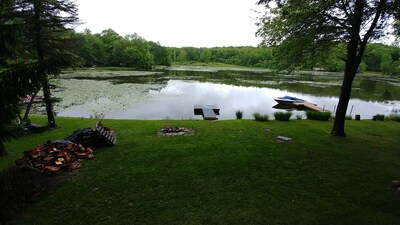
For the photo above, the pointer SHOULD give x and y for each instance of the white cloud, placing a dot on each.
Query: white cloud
(206, 23)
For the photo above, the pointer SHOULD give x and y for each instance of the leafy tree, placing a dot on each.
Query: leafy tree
(160, 54)
(90, 49)
(109, 38)
(395, 68)
(331, 60)
(205, 55)
(182, 55)
(298, 29)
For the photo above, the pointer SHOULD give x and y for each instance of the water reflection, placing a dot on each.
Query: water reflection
(177, 99)
(171, 94)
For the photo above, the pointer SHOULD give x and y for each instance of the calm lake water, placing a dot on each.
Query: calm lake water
(172, 93)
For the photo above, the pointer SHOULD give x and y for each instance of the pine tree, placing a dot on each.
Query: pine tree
(48, 38)
(34, 43)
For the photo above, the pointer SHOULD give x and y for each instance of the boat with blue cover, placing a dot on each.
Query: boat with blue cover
(288, 100)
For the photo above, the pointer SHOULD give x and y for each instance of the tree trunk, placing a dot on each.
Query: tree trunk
(355, 51)
(352, 63)
(40, 70)
(28, 107)
(350, 71)
(49, 104)
(2, 149)
(345, 94)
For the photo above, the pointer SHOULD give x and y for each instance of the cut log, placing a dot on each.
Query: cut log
(52, 168)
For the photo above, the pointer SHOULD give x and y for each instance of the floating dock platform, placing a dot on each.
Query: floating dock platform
(309, 105)
(209, 112)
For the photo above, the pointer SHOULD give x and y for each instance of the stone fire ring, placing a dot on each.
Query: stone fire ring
(174, 131)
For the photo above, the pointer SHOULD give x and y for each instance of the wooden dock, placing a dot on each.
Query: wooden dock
(309, 105)
(209, 112)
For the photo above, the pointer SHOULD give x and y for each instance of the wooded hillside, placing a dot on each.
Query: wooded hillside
(108, 48)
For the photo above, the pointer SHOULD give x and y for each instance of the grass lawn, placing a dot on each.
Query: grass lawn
(228, 172)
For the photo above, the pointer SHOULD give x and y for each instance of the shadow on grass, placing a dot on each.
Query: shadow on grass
(20, 187)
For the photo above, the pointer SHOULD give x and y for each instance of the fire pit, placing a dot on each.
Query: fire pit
(173, 131)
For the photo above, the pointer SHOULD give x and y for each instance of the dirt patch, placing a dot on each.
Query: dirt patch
(174, 131)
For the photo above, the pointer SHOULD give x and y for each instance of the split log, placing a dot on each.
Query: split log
(55, 156)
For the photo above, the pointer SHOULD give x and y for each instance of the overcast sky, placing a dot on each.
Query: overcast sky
(175, 23)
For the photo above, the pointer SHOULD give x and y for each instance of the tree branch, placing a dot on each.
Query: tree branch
(374, 22)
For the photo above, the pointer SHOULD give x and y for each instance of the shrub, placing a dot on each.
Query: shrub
(348, 117)
(394, 117)
(315, 115)
(282, 116)
(260, 117)
(299, 117)
(239, 114)
(379, 117)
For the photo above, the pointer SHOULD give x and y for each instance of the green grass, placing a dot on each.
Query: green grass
(228, 172)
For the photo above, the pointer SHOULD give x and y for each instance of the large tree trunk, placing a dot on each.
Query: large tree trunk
(355, 51)
(352, 63)
(354, 56)
(40, 48)
(345, 94)
(49, 104)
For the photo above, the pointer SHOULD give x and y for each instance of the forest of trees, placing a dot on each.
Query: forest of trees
(378, 57)
(242, 56)
(108, 48)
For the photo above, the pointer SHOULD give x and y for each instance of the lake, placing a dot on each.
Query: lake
(172, 93)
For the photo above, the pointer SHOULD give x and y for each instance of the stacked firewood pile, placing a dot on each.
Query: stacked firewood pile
(56, 156)
(66, 155)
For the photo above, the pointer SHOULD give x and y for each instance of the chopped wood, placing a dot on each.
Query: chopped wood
(59, 161)
(56, 156)
(61, 155)
(70, 146)
(52, 168)
(73, 165)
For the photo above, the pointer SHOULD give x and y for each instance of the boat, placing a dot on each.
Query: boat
(288, 100)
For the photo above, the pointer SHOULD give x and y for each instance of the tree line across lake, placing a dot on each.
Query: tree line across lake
(108, 48)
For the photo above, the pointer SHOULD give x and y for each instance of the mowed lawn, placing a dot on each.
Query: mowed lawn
(227, 172)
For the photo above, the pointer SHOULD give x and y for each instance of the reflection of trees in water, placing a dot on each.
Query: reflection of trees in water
(324, 85)
(387, 95)
(319, 85)
(368, 85)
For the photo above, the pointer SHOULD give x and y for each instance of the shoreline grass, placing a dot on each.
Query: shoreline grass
(228, 172)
